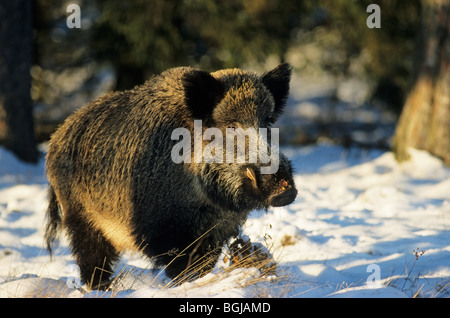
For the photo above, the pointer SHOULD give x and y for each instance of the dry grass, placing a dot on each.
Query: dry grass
(260, 272)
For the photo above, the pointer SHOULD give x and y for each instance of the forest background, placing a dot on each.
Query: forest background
(56, 58)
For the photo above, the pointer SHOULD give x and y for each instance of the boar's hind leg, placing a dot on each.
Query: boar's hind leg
(93, 252)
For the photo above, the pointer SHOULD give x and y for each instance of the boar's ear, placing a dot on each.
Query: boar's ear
(277, 82)
(202, 93)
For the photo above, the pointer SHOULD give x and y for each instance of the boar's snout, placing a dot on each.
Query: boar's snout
(281, 191)
(284, 197)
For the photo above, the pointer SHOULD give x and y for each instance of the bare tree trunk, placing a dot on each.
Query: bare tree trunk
(425, 119)
(16, 119)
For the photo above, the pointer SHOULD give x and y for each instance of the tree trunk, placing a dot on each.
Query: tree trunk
(425, 119)
(16, 119)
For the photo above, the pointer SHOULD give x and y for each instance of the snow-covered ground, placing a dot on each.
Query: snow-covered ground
(353, 231)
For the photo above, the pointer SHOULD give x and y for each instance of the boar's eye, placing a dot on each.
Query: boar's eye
(232, 125)
(268, 121)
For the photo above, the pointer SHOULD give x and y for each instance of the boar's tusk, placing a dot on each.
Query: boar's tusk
(251, 175)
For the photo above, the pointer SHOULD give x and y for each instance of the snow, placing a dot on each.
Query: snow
(353, 231)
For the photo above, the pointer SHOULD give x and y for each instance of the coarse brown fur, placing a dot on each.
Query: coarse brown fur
(113, 185)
